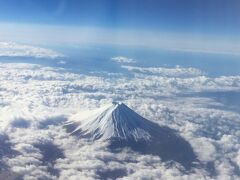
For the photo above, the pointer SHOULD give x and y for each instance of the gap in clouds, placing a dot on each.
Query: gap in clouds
(94, 58)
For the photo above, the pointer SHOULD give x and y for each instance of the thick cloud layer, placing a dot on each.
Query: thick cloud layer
(35, 101)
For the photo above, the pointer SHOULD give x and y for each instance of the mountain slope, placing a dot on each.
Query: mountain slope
(123, 127)
(113, 121)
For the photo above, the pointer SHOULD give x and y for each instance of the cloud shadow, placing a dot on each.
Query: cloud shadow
(50, 153)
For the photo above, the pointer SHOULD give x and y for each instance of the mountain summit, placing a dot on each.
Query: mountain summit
(123, 127)
(116, 121)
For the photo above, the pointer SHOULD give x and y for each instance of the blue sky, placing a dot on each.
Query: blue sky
(195, 15)
(196, 20)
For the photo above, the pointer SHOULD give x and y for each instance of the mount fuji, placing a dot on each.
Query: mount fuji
(123, 127)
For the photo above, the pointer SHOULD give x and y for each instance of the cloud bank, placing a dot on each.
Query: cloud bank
(11, 49)
(169, 72)
(36, 100)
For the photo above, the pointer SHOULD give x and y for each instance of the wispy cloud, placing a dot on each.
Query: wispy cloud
(169, 72)
(12, 49)
(74, 35)
(124, 60)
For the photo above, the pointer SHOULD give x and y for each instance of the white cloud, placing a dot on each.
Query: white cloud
(11, 49)
(62, 62)
(33, 104)
(204, 148)
(124, 60)
(171, 72)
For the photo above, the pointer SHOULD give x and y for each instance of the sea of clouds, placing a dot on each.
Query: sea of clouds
(36, 100)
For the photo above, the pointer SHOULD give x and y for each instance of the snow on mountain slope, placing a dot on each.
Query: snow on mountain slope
(112, 121)
(125, 128)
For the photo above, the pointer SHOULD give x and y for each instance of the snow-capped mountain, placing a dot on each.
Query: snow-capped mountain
(123, 127)
(112, 121)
